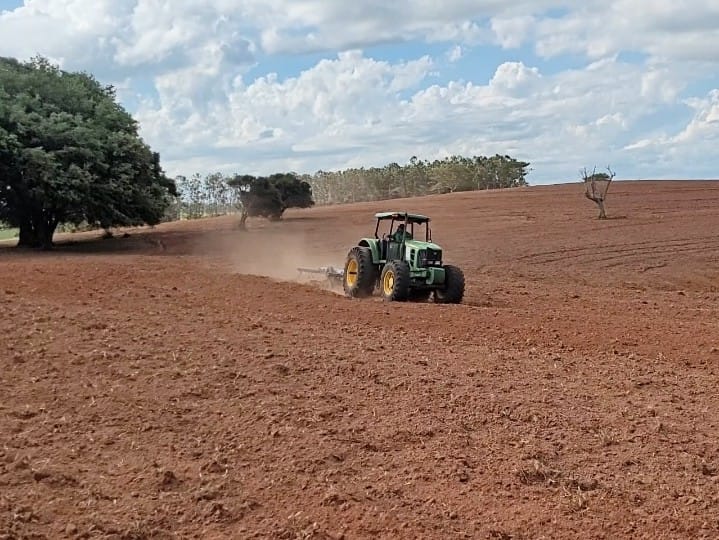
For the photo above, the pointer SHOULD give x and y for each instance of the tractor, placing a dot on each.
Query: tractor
(400, 265)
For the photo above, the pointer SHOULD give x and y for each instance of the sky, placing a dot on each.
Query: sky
(264, 86)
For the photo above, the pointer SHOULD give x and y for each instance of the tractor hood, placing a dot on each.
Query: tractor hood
(418, 244)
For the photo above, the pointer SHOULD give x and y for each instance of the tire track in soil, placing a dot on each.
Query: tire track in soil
(638, 248)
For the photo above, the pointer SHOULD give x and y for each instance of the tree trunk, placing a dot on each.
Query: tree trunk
(46, 230)
(37, 232)
(602, 213)
(243, 219)
(28, 235)
(599, 202)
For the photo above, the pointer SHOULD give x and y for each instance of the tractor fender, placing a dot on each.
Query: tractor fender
(373, 245)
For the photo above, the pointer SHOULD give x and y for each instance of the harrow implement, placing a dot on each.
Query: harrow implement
(332, 274)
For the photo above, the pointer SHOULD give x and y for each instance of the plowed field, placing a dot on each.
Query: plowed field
(180, 382)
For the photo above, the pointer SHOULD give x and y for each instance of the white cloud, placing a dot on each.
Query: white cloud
(187, 64)
(114, 36)
(660, 84)
(150, 30)
(454, 54)
(514, 31)
(666, 30)
(514, 76)
(346, 111)
(702, 129)
(687, 148)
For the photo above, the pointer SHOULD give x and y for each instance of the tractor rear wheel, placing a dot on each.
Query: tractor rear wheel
(453, 290)
(395, 281)
(360, 275)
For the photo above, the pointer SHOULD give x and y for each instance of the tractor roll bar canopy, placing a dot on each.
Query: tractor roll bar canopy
(406, 218)
(402, 216)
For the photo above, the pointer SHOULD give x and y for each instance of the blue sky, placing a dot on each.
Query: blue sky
(269, 85)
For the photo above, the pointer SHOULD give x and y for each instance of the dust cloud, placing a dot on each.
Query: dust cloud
(276, 253)
(279, 255)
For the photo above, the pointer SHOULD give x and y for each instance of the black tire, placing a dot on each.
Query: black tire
(360, 275)
(453, 290)
(395, 281)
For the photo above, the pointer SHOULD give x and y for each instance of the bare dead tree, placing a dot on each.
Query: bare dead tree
(596, 186)
(243, 217)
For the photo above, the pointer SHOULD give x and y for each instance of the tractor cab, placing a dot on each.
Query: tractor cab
(394, 229)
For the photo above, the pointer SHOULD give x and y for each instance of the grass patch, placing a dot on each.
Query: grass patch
(8, 234)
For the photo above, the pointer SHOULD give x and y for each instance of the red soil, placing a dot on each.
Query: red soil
(151, 388)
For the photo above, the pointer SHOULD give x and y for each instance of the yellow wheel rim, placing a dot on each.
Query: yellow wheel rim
(388, 282)
(351, 273)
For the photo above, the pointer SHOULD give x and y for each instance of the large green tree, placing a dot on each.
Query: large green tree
(69, 153)
(270, 196)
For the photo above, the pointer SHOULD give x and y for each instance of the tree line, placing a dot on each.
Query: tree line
(270, 196)
(417, 178)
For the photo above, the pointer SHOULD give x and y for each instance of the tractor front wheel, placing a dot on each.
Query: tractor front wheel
(453, 290)
(395, 281)
(360, 275)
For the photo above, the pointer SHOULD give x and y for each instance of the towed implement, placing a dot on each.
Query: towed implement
(333, 275)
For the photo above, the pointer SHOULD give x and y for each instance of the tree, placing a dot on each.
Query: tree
(270, 196)
(263, 199)
(241, 185)
(69, 153)
(294, 193)
(596, 186)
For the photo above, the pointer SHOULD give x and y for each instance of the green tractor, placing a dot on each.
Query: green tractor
(403, 267)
